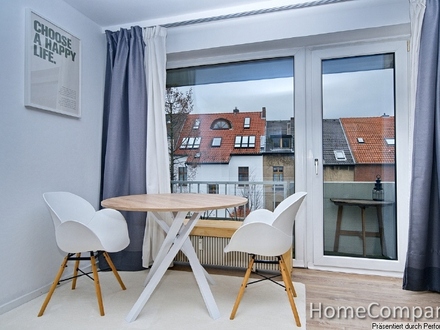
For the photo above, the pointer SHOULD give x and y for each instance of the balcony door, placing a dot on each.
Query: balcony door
(358, 150)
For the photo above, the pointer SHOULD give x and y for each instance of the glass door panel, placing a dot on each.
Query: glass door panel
(358, 130)
(358, 157)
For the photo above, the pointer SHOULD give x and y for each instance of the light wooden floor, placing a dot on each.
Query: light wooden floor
(336, 291)
(353, 290)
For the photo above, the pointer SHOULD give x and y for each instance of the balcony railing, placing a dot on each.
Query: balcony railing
(267, 194)
(260, 194)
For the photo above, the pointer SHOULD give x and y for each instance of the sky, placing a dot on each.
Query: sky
(352, 94)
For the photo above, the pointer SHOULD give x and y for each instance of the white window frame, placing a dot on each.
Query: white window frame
(317, 259)
(306, 99)
(216, 142)
(247, 122)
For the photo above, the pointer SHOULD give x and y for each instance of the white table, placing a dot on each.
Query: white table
(180, 205)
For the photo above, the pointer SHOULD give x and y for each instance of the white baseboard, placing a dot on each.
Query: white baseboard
(34, 294)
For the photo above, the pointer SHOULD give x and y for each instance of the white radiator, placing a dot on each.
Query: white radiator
(210, 252)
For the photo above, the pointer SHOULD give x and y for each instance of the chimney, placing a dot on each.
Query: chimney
(235, 110)
(263, 112)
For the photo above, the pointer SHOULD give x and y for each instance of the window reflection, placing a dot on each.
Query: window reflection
(358, 122)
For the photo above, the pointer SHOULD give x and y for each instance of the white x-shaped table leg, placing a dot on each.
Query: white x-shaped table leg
(187, 249)
(175, 240)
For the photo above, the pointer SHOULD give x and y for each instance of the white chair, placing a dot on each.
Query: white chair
(270, 234)
(80, 228)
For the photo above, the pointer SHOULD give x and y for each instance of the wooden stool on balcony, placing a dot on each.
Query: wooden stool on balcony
(362, 204)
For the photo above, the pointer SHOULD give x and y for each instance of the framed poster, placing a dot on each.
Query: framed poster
(52, 67)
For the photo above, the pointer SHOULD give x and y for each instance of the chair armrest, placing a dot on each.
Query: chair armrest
(112, 214)
(261, 239)
(260, 215)
(111, 228)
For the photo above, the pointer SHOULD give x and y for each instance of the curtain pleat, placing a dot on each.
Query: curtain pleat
(125, 134)
(422, 269)
(417, 11)
(158, 177)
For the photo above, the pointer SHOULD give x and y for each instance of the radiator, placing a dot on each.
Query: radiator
(209, 250)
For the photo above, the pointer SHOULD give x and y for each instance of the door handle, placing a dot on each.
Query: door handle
(316, 166)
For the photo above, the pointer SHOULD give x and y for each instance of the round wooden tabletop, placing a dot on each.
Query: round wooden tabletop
(173, 202)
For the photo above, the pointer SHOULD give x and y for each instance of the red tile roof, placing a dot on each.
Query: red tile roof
(374, 131)
(222, 154)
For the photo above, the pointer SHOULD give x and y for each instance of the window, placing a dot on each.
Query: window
(215, 84)
(191, 143)
(278, 175)
(390, 141)
(196, 124)
(212, 188)
(245, 141)
(340, 155)
(281, 142)
(197, 141)
(262, 143)
(183, 174)
(236, 100)
(243, 174)
(247, 122)
(216, 142)
(221, 124)
(358, 143)
(289, 129)
(184, 143)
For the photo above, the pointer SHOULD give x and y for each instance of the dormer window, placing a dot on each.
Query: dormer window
(390, 141)
(244, 141)
(216, 142)
(191, 143)
(340, 155)
(221, 124)
(197, 142)
(196, 124)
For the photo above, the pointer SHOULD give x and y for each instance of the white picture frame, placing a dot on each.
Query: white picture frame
(52, 68)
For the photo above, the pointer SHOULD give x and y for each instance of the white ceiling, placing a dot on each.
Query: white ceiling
(119, 12)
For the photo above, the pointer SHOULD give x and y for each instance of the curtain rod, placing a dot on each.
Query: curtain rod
(252, 13)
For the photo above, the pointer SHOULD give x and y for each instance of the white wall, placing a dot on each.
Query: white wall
(255, 164)
(341, 22)
(229, 172)
(42, 151)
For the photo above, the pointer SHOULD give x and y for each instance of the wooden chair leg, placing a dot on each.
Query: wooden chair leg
(75, 271)
(289, 274)
(97, 285)
(54, 285)
(243, 286)
(115, 272)
(288, 260)
(288, 283)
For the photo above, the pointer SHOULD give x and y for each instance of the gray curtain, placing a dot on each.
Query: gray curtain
(422, 270)
(124, 135)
